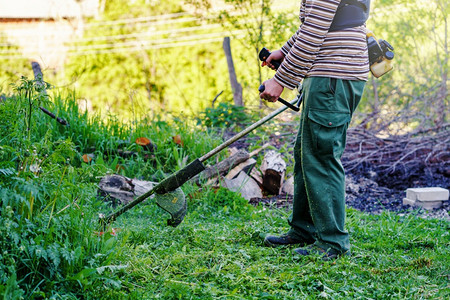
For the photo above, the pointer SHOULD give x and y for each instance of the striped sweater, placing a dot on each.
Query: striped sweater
(313, 51)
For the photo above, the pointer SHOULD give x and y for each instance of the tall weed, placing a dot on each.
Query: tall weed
(48, 213)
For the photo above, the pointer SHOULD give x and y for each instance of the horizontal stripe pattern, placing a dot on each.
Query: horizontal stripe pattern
(313, 51)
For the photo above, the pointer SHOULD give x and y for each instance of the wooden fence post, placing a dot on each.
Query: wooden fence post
(38, 74)
(235, 85)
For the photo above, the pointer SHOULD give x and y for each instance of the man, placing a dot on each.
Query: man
(328, 55)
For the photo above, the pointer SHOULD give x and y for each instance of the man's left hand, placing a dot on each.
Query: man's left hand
(272, 90)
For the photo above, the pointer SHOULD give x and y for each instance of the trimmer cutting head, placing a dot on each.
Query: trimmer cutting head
(170, 197)
(174, 203)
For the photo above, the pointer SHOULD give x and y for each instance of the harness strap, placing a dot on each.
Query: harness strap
(350, 13)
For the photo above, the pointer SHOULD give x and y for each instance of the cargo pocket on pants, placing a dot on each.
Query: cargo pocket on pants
(328, 130)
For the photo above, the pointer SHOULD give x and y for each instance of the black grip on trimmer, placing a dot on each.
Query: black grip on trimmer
(293, 107)
(180, 177)
(264, 54)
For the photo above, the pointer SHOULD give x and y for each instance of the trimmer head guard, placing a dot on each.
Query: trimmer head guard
(175, 204)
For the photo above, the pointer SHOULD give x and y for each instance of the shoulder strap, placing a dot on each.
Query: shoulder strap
(350, 13)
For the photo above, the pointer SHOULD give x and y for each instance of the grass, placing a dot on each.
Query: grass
(217, 253)
(51, 247)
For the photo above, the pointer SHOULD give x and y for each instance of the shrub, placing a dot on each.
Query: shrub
(227, 200)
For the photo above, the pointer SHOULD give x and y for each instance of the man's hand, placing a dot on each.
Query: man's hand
(272, 90)
(274, 55)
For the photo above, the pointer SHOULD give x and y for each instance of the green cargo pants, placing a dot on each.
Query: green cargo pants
(319, 178)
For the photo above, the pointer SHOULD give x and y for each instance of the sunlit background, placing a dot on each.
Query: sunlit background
(141, 57)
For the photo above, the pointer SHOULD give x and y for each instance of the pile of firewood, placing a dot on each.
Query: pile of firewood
(240, 173)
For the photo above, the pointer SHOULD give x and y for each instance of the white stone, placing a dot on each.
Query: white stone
(427, 194)
(429, 205)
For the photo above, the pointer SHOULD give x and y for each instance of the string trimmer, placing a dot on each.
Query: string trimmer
(167, 193)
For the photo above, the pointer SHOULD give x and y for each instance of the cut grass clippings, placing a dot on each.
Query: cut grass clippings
(217, 253)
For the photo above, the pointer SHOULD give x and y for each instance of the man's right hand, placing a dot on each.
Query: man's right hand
(272, 90)
(274, 55)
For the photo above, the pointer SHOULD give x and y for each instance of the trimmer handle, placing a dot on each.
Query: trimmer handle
(293, 107)
(264, 54)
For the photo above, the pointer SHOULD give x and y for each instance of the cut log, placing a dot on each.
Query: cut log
(257, 176)
(222, 167)
(243, 184)
(121, 190)
(288, 186)
(246, 167)
(232, 150)
(273, 168)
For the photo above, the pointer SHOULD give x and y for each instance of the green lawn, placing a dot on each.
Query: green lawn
(218, 253)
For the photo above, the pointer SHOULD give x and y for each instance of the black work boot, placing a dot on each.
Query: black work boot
(285, 240)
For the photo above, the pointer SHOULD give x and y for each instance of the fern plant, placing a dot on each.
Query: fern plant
(7, 172)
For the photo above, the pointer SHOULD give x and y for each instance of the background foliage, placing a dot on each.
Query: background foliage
(170, 60)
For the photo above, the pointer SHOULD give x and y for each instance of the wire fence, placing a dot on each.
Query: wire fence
(150, 36)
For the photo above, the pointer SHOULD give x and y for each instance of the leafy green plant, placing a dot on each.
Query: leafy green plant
(32, 92)
(227, 200)
(7, 172)
(51, 245)
(224, 115)
(48, 210)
